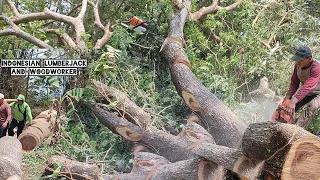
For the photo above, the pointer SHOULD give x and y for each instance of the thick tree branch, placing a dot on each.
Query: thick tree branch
(13, 8)
(65, 37)
(107, 29)
(83, 9)
(77, 23)
(7, 32)
(210, 9)
(15, 30)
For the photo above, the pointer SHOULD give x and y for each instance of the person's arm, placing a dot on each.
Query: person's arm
(310, 84)
(9, 114)
(294, 84)
(29, 115)
(11, 104)
(306, 88)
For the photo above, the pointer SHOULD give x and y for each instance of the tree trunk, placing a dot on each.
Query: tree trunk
(10, 157)
(222, 124)
(41, 128)
(72, 169)
(271, 142)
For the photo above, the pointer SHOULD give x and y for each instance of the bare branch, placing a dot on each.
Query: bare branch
(74, 9)
(65, 37)
(231, 7)
(7, 32)
(83, 9)
(210, 9)
(97, 21)
(15, 30)
(107, 34)
(13, 8)
(47, 14)
(107, 29)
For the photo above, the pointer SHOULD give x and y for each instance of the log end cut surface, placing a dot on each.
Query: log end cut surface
(303, 160)
(28, 141)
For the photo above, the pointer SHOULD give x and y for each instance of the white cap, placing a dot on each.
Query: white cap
(1, 96)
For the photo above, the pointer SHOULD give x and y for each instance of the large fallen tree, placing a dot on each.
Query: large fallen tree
(224, 141)
(264, 146)
(219, 142)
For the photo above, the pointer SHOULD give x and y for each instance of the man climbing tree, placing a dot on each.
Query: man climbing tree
(22, 112)
(5, 115)
(307, 72)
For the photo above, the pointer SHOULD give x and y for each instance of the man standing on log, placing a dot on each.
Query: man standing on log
(307, 72)
(22, 112)
(5, 116)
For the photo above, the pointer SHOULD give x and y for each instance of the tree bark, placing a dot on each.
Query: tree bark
(10, 157)
(131, 111)
(41, 128)
(72, 169)
(150, 166)
(222, 124)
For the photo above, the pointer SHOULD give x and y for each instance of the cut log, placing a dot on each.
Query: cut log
(132, 112)
(215, 117)
(10, 100)
(270, 142)
(10, 157)
(201, 143)
(72, 169)
(182, 170)
(303, 160)
(40, 129)
(150, 166)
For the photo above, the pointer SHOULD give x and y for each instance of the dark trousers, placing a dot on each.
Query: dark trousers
(3, 131)
(304, 101)
(14, 123)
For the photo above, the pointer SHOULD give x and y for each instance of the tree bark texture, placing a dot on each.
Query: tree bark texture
(10, 157)
(73, 169)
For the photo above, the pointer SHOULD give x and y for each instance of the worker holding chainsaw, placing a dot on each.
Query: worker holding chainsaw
(307, 73)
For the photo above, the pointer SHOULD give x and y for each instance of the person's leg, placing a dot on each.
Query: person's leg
(20, 127)
(308, 114)
(304, 101)
(4, 132)
(1, 130)
(12, 125)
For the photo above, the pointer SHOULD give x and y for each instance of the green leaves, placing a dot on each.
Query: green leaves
(53, 81)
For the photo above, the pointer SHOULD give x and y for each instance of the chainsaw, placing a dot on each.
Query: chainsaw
(136, 24)
(142, 27)
(281, 114)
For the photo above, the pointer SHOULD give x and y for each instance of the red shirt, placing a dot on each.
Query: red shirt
(5, 112)
(309, 85)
